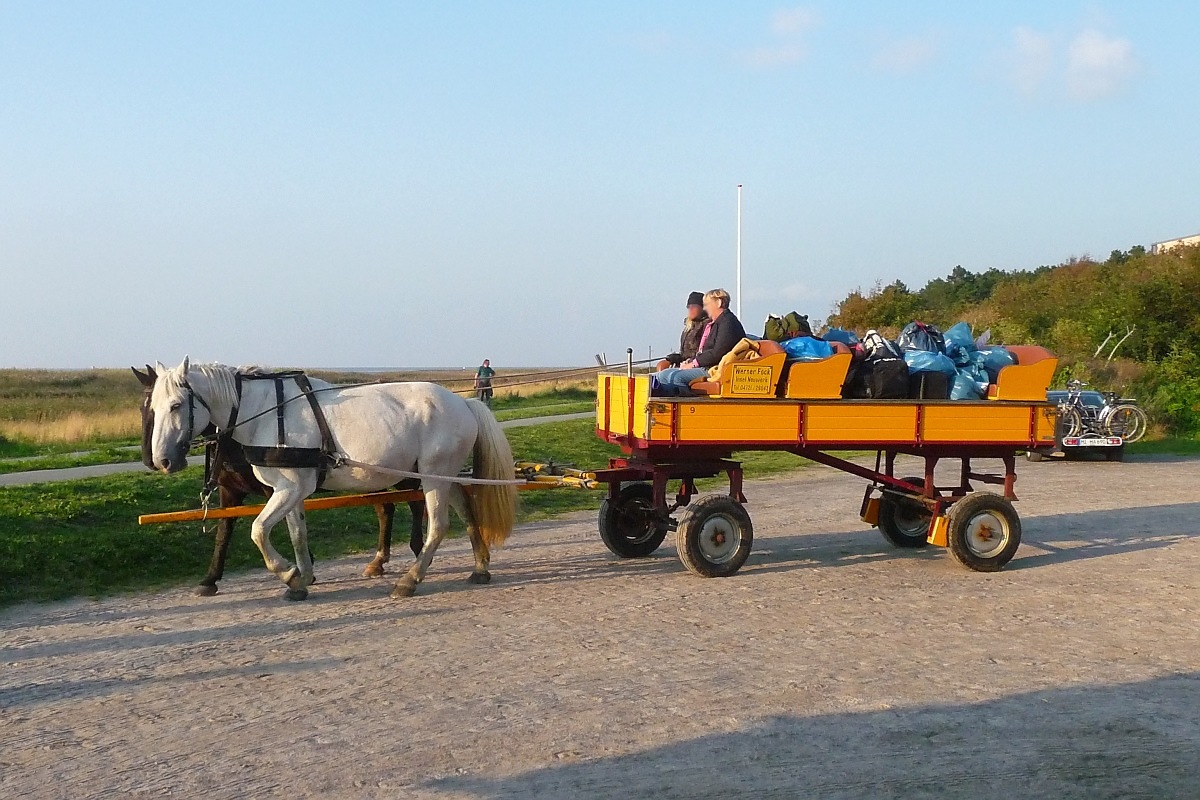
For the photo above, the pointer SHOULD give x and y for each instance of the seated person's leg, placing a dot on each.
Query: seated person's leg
(675, 382)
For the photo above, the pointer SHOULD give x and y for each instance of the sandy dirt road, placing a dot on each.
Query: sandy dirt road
(831, 666)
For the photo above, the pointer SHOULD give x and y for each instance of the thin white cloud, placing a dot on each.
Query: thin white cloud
(1090, 66)
(793, 21)
(906, 55)
(789, 27)
(1098, 66)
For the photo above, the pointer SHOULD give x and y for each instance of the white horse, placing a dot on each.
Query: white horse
(415, 427)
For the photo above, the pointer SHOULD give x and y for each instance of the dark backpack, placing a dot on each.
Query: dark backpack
(876, 346)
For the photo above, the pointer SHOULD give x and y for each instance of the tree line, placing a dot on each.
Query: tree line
(1081, 309)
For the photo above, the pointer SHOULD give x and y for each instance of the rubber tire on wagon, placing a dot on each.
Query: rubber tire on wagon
(983, 531)
(714, 536)
(628, 525)
(904, 522)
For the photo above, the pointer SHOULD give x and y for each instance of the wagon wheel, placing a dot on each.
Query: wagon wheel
(629, 526)
(714, 537)
(984, 531)
(903, 521)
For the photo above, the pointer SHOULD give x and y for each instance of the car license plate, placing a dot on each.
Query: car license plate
(1092, 441)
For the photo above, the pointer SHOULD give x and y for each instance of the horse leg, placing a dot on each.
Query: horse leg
(298, 582)
(458, 501)
(439, 521)
(416, 537)
(216, 568)
(279, 505)
(383, 553)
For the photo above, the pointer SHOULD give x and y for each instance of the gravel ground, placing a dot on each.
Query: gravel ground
(830, 666)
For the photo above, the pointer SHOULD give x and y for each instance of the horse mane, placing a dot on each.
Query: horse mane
(221, 380)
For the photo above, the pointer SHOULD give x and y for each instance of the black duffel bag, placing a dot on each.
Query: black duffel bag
(888, 379)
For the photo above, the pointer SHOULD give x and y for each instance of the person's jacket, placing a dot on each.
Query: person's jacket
(689, 340)
(726, 331)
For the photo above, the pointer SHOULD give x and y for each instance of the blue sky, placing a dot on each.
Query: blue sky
(396, 184)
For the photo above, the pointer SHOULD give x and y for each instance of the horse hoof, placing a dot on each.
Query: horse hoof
(295, 594)
(296, 580)
(373, 570)
(405, 587)
(206, 590)
(479, 577)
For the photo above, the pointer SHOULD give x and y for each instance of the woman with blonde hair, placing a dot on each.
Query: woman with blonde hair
(722, 332)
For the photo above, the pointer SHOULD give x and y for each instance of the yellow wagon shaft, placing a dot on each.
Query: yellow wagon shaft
(538, 476)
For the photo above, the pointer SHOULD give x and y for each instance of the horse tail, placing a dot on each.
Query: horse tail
(493, 507)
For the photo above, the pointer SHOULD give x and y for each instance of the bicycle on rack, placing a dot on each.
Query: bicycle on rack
(1112, 416)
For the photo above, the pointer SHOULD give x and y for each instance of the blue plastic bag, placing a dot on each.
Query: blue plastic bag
(848, 338)
(992, 360)
(925, 361)
(965, 388)
(959, 335)
(960, 345)
(919, 336)
(978, 374)
(806, 348)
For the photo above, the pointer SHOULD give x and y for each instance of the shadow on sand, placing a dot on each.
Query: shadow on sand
(1138, 740)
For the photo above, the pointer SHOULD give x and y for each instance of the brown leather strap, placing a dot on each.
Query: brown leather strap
(327, 443)
(279, 412)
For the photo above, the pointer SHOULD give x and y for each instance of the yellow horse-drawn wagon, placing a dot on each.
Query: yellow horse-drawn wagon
(771, 404)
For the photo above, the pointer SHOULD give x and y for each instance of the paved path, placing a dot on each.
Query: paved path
(831, 666)
(99, 470)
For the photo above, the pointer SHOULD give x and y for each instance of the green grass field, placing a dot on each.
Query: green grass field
(106, 394)
(54, 412)
(105, 455)
(1172, 446)
(82, 538)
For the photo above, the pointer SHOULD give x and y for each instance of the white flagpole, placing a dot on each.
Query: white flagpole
(739, 252)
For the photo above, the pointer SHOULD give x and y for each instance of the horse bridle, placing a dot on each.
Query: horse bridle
(194, 397)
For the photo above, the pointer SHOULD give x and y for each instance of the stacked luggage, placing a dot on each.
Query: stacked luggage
(922, 363)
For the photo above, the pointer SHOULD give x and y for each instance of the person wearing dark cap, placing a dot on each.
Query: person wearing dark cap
(721, 333)
(693, 329)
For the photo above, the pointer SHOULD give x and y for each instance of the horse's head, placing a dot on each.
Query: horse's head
(178, 415)
(147, 379)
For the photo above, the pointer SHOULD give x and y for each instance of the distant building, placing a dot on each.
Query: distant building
(1171, 244)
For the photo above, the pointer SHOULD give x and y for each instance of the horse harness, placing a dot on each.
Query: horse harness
(280, 456)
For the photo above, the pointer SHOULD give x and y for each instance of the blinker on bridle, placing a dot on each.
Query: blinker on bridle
(193, 398)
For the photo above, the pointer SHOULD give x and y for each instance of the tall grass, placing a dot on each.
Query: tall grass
(76, 427)
(49, 408)
(48, 411)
